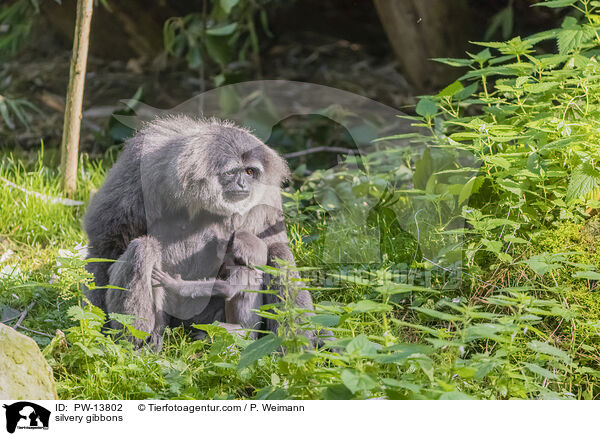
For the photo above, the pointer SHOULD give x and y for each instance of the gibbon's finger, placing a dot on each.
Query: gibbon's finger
(159, 275)
(158, 280)
(155, 275)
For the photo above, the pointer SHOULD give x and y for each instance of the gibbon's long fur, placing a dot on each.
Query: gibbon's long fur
(162, 206)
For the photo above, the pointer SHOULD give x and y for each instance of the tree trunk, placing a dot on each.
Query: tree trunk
(419, 30)
(74, 100)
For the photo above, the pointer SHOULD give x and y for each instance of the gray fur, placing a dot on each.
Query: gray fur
(162, 208)
(245, 250)
(133, 271)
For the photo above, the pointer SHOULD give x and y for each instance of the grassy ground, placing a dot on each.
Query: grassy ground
(507, 332)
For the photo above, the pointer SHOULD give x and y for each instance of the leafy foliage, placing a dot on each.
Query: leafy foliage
(524, 321)
(16, 20)
(224, 31)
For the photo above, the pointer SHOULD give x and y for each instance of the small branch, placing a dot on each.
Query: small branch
(64, 201)
(4, 321)
(320, 150)
(23, 315)
(35, 331)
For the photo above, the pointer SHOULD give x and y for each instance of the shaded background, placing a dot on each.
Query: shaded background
(380, 49)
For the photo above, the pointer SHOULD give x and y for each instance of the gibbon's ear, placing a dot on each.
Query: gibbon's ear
(277, 170)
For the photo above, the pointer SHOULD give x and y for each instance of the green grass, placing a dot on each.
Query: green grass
(524, 321)
(524, 342)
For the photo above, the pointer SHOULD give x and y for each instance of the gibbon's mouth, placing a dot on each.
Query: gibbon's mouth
(236, 195)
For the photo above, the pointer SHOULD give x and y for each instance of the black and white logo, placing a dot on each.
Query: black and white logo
(26, 415)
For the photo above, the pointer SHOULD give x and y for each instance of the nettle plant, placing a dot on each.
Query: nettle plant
(528, 109)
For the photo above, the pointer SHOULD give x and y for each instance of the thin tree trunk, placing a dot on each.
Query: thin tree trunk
(74, 100)
(419, 30)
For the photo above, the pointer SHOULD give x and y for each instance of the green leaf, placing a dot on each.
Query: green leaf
(584, 180)
(361, 346)
(366, 306)
(403, 352)
(426, 366)
(410, 348)
(590, 275)
(264, 20)
(482, 57)
(427, 107)
(466, 372)
(218, 49)
(138, 334)
(551, 350)
(511, 186)
(227, 5)
(537, 88)
(402, 384)
(455, 395)
(542, 263)
(450, 90)
(357, 381)
(90, 352)
(471, 187)
(223, 30)
(467, 92)
(536, 164)
(127, 321)
(485, 331)
(540, 371)
(212, 329)
(194, 56)
(555, 3)
(325, 320)
(337, 392)
(454, 62)
(423, 170)
(503, 19)
(515, 239)
(77, 313)
(272, 393)
(572, 36)
(257, 349)
(8, 312)
(499, 161)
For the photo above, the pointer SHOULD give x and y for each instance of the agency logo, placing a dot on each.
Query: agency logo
(26, 415)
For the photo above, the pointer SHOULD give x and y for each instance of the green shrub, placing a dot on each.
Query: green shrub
(523, 324)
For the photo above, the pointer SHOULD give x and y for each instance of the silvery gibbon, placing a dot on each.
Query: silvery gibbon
(190, 206)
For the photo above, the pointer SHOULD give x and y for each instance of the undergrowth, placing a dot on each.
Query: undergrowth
(522, 321)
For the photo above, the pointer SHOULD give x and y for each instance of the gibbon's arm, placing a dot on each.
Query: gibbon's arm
(192, 288)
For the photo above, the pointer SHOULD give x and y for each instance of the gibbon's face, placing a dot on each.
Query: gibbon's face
(241, 180)
(226, 171)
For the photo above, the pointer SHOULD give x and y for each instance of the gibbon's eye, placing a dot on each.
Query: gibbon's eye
(250, 171)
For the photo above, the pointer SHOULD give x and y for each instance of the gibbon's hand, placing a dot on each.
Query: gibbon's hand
(166, 281)
(191, 288)
(224, 289)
